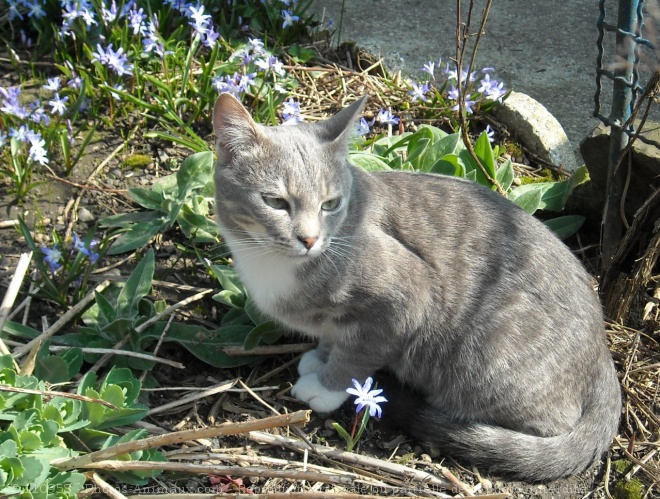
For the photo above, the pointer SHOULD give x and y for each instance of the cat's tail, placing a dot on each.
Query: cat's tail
(500, 451)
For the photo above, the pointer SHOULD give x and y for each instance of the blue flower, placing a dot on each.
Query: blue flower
(58, 104)
(21, 133)
(52, 258)
(386, 118)
(366, 397)
(115, 60)
(289, 19)
(429, 68)
(88, 251)
(36, 9)
(364, 127)
(291, 112)
(419, 91)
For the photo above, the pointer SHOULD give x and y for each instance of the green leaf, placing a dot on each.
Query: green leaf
(484, 152)
(137, 287)
(437, 133)
(230, 298)
(206, 344)
(235, 317)
(448, 167)
(269, 332)
(194, 173)
(165, 184)
(136, 237)
(416, 150)
(344, 434)
(505, 174)
(52, 369)
(256, 315)
(565, 226)
(553, 194)
(449, 144)
(529, 201)
(19, 330)
(197, 226)
(147, 198)
(126, 220)
(367, 161)
(228, 278)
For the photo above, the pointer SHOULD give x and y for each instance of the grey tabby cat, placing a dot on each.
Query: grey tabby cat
(480, 312)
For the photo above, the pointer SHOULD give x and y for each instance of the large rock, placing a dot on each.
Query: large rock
(538, 130)
(589, 198)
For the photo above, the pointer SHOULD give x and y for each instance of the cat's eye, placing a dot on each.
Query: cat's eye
(331, 204)
(276, 203)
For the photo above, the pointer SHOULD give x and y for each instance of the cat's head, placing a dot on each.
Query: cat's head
(284, 189)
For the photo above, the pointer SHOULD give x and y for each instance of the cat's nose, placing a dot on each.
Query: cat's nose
(308, 241)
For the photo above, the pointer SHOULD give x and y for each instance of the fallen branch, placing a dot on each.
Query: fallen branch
(68, 463)
(237, 350)
(220, 388)
(12, 293)
(350, 457)
(51, 393)
(289, 495)
(239, 471)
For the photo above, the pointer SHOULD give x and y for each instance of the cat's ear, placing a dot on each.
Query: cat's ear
(340, 127)
(234, 128)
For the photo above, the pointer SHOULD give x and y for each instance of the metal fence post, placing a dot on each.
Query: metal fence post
(622, 100)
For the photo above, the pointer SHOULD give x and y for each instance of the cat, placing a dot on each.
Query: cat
(486, 320)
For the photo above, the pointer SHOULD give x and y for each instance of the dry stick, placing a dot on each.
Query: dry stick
(220, 388)
(288, 495)
(236, 350)
(70, 314)
(68, 463)
(124, 353)
(12, 293)
(5, 224)
(462, 36)
(644, 460)
(106, 488)
(350, 457)
(52, 393)
(219, 470)
(263, 460)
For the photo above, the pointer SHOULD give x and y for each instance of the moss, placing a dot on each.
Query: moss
(137, 161)
(513, 149)
(545, 175)
(406, 458)
(634, 489)
(621, 466)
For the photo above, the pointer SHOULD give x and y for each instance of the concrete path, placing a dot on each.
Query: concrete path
(544, 49)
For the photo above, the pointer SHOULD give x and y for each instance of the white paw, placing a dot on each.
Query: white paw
(310, 362)
(309, 389)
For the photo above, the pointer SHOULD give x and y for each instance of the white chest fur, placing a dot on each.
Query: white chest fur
(268, 277)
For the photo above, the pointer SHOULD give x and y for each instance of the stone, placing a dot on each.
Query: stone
(85, 216)
(535, 128)
(589, 199)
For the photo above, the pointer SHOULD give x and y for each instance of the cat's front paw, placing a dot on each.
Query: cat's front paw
(309, 389)
(310, 362)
